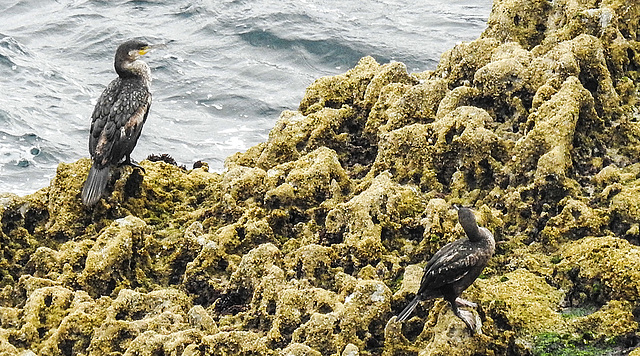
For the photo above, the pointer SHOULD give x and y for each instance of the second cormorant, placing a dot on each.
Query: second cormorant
(118, 117)
(454, 268)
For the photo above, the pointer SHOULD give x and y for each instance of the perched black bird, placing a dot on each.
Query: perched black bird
(118, 117)
(454, 268)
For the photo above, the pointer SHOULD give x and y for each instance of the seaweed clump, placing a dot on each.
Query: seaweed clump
(309, 243)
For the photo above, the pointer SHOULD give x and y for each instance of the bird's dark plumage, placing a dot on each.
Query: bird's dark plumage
(118, 117)
(455, 267)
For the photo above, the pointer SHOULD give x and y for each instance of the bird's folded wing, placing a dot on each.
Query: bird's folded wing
(448, 269)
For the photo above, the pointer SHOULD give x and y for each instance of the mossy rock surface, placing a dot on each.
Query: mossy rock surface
(310, 243)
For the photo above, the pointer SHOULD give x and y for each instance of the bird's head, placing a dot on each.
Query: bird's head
(128, 53)
(132, 50)
(468, 220)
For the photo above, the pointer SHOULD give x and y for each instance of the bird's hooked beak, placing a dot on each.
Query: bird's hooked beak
(144, 50)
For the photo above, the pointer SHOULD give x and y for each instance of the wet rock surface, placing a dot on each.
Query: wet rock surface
(309, 243)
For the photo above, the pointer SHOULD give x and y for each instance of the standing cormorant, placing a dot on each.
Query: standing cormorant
(118, 117)
(454, 268)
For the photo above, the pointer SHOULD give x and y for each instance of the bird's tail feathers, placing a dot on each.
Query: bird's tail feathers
(406, 312)
(95, 185)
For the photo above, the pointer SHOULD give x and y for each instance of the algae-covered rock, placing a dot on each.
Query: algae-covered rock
(600, 269)
(109, 262)
(367, 222)
(532, 309)
(549, 155)
(309, 243)
(295, 349)
(614, 320)
(521, 20)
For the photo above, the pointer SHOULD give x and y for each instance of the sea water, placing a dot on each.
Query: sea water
(228, 69)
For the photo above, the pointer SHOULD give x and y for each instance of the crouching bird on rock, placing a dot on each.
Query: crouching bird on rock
(454, 268)
(118, 117)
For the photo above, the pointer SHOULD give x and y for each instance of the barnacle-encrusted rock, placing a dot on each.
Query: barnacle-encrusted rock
(309, 243)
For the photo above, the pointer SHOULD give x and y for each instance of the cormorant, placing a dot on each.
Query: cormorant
(454, 268)
(118, 117)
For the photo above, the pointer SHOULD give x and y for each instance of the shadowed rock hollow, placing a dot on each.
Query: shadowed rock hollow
(310, 242)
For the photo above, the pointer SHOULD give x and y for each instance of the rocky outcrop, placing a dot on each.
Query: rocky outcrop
(309, 243)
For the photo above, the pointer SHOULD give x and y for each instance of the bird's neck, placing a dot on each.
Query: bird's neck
(483, 236)
(473, 232)
(489, 239)
(137, 68)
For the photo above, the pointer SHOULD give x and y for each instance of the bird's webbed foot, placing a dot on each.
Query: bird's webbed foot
(465, 303)
(468, 319)
(466, 316)
(129, 162)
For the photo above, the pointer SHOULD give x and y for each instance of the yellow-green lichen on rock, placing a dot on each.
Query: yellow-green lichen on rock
(310, 243)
